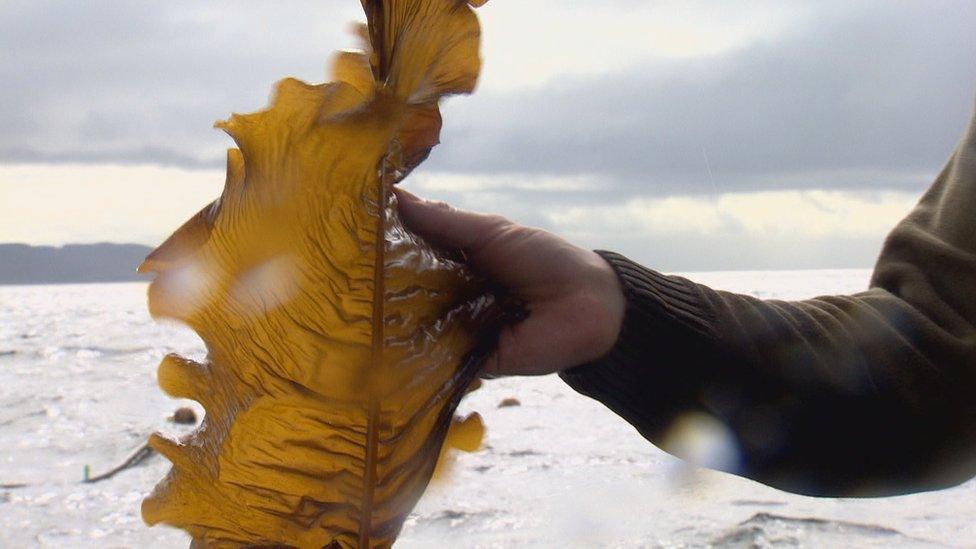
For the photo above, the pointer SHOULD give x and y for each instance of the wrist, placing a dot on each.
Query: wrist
(609, 306)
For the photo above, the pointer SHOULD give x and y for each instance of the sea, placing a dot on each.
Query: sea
(78, 395)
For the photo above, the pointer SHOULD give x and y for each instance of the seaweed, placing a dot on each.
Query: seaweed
(338, 343)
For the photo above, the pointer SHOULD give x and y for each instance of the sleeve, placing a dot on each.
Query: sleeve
(862, 395)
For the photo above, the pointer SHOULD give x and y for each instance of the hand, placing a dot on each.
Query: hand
(573, 297)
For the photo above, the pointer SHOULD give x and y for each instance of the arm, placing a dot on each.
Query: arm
(869, 394)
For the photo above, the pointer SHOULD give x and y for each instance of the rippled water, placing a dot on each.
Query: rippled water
(77, 388)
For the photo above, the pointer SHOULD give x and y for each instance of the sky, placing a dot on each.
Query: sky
(687, 135)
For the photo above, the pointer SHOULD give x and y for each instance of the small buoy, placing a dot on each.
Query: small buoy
(510, 401)
(184, 416)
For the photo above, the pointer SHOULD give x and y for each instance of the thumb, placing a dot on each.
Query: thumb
(444, 225)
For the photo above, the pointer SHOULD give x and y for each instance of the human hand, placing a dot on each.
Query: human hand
(574, 301)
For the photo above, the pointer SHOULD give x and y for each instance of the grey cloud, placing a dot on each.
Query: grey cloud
(866, 95)
(869, 96)
(125, 156)
(135, 82)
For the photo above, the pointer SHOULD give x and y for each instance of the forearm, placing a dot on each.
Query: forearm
(870, 394)
(663, 325)
(835, 396)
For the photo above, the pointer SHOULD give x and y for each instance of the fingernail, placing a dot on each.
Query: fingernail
(404, 194)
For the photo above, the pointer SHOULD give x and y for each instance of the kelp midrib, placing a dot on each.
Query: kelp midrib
(376, 355)
(384, 182)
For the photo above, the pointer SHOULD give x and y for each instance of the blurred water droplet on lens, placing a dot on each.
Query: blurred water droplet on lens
(703, 441)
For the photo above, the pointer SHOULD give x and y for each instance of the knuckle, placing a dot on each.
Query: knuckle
(497, 229)
(441, 206)
(496, 220)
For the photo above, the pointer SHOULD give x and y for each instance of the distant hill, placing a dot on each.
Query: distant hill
(102, 262)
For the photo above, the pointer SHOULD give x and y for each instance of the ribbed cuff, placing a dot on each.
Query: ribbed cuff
(648, 376)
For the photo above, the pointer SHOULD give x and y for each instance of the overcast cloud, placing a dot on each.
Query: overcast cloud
(872, 97)
(589, 112)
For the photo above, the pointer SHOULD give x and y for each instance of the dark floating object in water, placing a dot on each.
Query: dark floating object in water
(184, 416)
(339, 344)
(509, 402)
(140, 455)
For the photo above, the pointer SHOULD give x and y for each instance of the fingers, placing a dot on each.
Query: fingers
(446, 226)
(547, 341)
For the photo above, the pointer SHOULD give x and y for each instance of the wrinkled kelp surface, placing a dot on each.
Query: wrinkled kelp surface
(339, 344)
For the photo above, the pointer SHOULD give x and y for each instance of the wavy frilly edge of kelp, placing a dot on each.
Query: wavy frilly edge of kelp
(338, 343)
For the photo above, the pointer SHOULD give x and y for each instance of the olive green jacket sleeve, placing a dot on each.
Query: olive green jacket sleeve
(862, 395)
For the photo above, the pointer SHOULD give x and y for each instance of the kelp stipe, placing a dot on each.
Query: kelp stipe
(338, 343)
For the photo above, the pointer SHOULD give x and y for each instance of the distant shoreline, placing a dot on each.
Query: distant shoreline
(23, 264)
(78, 282)
(103, 262)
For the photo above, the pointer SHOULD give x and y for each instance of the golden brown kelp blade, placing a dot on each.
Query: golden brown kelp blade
(338, 343)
